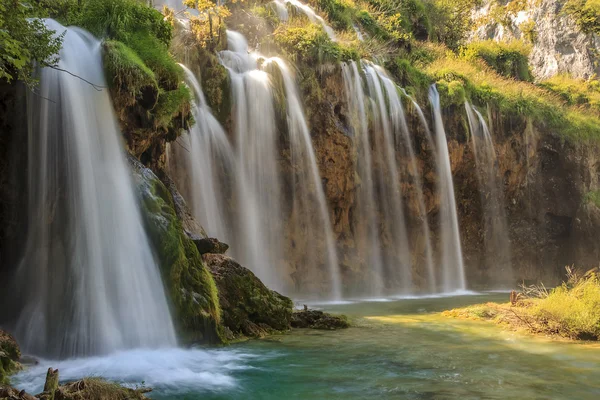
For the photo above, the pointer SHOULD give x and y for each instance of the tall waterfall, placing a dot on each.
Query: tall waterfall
(380, 203)
(238, 191)
(202, 163)
(497, 244)
(307, 187)
(453, 273)
(259, 243)
(90, 282)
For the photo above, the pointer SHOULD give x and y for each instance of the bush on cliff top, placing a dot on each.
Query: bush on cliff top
(509, 59)
(310, 44)
(586, 14)
(137, 60)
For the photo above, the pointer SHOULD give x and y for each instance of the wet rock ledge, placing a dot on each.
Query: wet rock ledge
(315, 319)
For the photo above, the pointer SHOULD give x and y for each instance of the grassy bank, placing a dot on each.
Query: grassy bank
(570, 311)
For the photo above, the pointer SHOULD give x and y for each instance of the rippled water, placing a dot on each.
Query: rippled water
(397, 349)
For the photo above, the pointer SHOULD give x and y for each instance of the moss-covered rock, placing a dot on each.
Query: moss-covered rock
(315, 319)
(248, 307)
(189, 283)
(9, 356)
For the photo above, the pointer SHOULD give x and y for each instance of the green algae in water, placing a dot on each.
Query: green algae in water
(396, 350)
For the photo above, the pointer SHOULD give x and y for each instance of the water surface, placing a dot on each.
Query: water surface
(401, 349)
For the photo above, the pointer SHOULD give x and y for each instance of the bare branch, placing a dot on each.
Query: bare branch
(95, 86)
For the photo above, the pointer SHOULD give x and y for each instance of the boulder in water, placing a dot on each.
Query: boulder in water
(248, 307)
(316, 319)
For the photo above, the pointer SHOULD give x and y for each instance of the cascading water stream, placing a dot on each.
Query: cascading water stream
(260, 175)
(308, 188)
(202, 163)
(401, 127)
(453, 274)
(259, 238)
(397, 258)
(90, 284)
(497, 244)
(306, 10)
(368, 227)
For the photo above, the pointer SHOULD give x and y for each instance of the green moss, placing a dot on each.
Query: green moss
(128, 71)
(509, 59)
(156, 56)
(592, 197)
(190, 285)
(172, 105)
(249, 308)
(9, 356)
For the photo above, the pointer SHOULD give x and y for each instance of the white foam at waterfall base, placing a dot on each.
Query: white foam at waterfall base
(166, 371)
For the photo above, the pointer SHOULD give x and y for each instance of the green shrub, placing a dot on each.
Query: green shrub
(576, 92)
(573, 309)
(509, 59)
(172, 105)
(310, 44)
(586, 14)
(121, 19)
(156, 56)
(339, 12)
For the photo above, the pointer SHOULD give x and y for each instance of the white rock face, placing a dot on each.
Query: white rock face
(560, 47)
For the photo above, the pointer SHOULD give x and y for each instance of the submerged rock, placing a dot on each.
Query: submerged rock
(315, 319)
(248, 307)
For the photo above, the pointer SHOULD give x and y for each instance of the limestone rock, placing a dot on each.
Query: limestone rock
(315, 319)
(210, 245)
(559, 45)
(248, 307)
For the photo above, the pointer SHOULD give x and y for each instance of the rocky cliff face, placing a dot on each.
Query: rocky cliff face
(545, 181)
(559, 47)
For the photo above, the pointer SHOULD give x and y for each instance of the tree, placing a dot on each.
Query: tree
(24, 42)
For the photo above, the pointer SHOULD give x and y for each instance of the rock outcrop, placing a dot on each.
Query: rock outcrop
(316, 319)
(190, 285)
(559, 46)
(248, 307)
(9, 356)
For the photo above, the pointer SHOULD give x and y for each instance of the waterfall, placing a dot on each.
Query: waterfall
(259, 241)
(397, 257)
(453, 274)
(268, 221)
(90, 282)
(306, 10)
(307, 186)
(497, 244)
(368, 226)
(202, 163)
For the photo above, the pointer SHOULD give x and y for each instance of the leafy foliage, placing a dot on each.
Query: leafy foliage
(24, 42)
(207, 25)
(509, 59)
(586, 14)
(311, 44)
